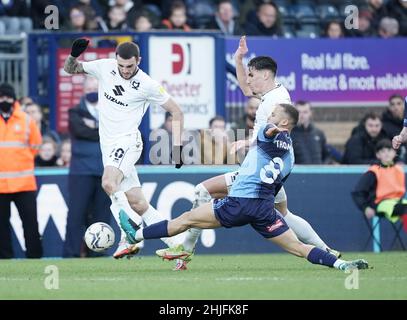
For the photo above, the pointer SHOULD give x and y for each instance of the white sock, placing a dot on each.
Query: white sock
(139, 234)
(338, 263)
(120, 202)
(304, 231)
(152, 216)
(201, 196)
(191, 238)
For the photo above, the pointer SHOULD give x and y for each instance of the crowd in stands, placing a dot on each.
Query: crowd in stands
(279, 18)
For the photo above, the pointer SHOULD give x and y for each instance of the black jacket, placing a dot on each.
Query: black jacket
(309, 145)
(259, 29)
(391, 125)
(360, 148)
(364, 193)
(86, 154)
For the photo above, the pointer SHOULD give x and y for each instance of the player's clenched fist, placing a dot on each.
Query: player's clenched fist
(79, 46)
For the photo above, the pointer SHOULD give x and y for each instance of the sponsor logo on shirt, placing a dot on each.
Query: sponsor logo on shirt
(113, 99)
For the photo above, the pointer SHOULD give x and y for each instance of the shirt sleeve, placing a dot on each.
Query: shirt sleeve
(155, 93)
(94, 67)
(405, 113)
(35, 138)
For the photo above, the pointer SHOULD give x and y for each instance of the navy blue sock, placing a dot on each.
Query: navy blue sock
(156, 230)
(318, 256)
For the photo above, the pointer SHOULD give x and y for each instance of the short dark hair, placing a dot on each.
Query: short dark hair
(383, 144)
(371, 115)
(291, 111)
(396, 96)
(216, 118)
(302, 103)
(127, 50)
(263, 63)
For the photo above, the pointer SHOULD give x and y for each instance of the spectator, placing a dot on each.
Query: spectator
(81, 19)
(393, 116)
(366, 28)
(47, 156)
(35, 112)
(247, 121)
(215, 144)
(382, 187)
(161, 138)
(25, 101)
(268, 23)
(360, 148)
(117, 18)
(378, 11)
(334, 30)
(64, 159)
(85, 172)
(177, 19)
(224, 19)
(142, 22)
(309, 142)
(388, 28)
(398, 10)
(19, 142)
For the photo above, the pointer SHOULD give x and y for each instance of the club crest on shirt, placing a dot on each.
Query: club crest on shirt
(135, 84)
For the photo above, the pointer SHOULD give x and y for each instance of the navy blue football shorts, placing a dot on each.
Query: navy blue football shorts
(259, 213)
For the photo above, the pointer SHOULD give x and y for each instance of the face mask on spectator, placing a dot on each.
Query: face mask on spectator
(92, 97)
(5, 106)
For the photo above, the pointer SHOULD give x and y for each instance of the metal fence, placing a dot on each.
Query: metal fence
(14, 63)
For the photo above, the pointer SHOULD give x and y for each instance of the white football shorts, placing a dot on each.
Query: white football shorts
(123, 155)
(230, 177)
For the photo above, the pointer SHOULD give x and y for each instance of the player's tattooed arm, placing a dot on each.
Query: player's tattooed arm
(73, 66)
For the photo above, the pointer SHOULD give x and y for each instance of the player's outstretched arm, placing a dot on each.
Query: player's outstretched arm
(177, 128)
(271, 130)
(240, 69)
(72, 65)
(400, 139)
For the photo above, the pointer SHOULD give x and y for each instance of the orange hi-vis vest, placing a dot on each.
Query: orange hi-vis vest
(20, 140)
(390, 182)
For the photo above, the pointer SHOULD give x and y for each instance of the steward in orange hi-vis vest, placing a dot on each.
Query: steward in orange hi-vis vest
(390, 182)
(20, 139)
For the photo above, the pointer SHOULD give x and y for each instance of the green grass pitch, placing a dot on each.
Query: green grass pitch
(266, 276)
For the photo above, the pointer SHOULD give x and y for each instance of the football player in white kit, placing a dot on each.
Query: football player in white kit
(259, 82)
(125, 92)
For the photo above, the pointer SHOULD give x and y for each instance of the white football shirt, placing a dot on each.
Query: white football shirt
(122, 103)
(268, 102)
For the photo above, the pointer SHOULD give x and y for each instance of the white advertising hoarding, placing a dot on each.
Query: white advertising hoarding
(185, 66)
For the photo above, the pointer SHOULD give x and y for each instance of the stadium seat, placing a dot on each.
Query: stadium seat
(288, 31)
(310, 28)
(286, 14)
(201, 12)
(301, 11)
(307, 34)
(327, 12)
(397, 228)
